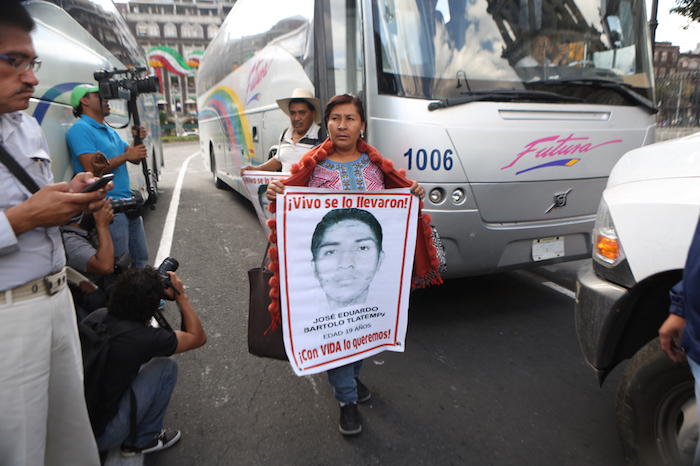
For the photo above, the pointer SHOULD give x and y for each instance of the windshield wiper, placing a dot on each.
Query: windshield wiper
(501, 95)
(616, 86)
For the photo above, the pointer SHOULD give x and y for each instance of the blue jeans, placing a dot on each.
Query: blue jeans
(129, 236)
(343, 381)
(152, 387)
(695, 368)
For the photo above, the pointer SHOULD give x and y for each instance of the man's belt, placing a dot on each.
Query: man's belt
(49, 285)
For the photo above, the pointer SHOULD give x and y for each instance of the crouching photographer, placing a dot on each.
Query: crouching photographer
(90, 251)
(138, 377)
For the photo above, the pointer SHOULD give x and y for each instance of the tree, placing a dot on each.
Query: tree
(688, 8)
(164, 118)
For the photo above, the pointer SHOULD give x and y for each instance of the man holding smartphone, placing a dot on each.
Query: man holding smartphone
(43, 417)
(89, 139)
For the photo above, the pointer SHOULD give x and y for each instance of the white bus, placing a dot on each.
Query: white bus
(511, 113)
(73, 41)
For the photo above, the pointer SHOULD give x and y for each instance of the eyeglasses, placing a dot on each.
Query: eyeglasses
(22, 64)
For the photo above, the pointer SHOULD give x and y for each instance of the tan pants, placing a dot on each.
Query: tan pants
(43, 417)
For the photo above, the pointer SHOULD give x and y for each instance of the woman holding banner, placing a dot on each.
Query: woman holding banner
(346, 162)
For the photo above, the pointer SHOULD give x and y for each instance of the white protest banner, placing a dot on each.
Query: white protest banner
(345, 259)
(256, 184)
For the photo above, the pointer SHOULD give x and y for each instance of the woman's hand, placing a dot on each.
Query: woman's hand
(417, 190)
(274, 188)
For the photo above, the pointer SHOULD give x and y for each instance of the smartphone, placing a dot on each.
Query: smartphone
(99, 183)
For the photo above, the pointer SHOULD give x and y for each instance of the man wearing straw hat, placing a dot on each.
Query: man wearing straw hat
(304, 111)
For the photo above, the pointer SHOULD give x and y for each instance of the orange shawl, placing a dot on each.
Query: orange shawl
(425, 263)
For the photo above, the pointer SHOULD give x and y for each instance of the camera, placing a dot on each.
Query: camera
(123, 263)
(126, 84)
(125, 205)
(170, 264)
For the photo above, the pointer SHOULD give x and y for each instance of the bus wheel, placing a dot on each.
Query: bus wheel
(153, 172)
(656, 413)
(217, 181)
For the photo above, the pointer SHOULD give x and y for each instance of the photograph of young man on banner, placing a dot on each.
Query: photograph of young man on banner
(345, 273)
(256, 184)
(347, 252)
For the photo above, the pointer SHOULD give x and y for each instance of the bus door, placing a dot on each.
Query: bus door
(255, 123)
(338, 44)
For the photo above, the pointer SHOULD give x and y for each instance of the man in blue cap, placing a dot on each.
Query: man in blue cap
(90, 139)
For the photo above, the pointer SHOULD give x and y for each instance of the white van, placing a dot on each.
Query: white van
(642, 234)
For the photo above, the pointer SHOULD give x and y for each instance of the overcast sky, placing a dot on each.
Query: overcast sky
(670, 27)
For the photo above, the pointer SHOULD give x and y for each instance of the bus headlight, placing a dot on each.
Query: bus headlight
(458, 196)
(436, 196)
(607, 249)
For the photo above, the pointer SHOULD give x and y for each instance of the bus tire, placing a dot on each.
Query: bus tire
(217, 181)
(656, 413)
(153, 173)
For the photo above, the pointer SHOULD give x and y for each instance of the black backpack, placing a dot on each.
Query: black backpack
(94, 341)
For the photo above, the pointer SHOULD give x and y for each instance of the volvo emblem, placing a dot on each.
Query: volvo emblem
(559, 200)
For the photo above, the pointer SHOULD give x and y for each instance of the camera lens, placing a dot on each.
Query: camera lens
(124, 205)
(170, 264)
(147, 85)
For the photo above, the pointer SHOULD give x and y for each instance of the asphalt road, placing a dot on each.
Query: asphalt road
(492, 373)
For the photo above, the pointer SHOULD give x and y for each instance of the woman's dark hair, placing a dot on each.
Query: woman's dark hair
(136, 294)
(262, 193)
(336, 216)
(344, 99)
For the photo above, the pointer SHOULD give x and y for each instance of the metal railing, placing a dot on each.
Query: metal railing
(678, 100)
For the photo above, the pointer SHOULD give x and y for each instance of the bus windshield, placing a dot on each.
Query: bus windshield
(587, 50)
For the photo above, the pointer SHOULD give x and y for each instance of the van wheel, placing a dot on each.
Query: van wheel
(656, 414)
(217, 182)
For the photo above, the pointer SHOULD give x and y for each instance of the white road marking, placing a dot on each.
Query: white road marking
(166, 240)
(560, 289)
(529, 275)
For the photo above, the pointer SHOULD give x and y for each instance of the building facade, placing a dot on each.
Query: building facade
(677, 85)
(174, 34)
(666, 57)
(689, 61)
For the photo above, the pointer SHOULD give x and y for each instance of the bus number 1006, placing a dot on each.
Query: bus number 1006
(437, 159)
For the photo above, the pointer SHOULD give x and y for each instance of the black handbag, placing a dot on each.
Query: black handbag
(262, 341)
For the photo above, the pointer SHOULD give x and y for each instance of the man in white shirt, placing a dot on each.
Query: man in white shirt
(43, 417)
(304, 111)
